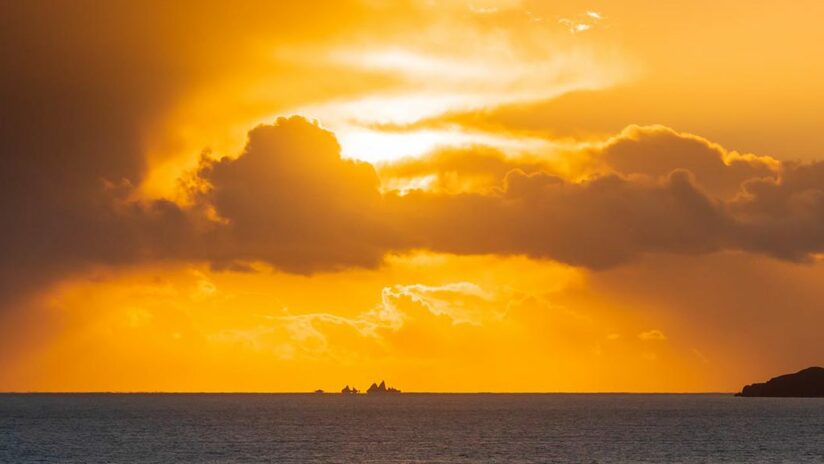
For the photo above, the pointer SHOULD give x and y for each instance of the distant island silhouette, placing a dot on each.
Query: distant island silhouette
(807, 383)
(381, 389)
(374, 389)
(349, 391)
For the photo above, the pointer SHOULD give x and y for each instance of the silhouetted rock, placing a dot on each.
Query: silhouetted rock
(320, 391)
(806, 383)
(375, 389)
(349, 391)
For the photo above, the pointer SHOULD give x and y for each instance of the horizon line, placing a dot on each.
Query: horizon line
(240, 392)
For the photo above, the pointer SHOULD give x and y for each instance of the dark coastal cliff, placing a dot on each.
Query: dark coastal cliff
(808, 383)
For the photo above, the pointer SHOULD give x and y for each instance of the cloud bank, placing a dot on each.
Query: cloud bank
(291, 201)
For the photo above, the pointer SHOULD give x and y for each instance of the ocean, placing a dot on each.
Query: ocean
(408, 428)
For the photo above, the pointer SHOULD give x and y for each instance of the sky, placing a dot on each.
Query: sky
(526, 196)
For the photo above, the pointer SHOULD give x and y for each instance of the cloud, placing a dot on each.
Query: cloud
(92, 105)
(656, 151)
(96, 113)
(598, 223)
(290, 200)
(427, 315)
(783, 217)
(582, 22)
(83, 89)
(652, 335)
(78, 110)
(454, 171)
(461, 302)
(651, 189)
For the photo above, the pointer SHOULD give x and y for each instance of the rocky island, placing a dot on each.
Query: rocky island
(808, 383)
(374, 389)
(381, 389)
(349, 391)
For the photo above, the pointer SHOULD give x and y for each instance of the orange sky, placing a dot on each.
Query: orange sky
(454, 196)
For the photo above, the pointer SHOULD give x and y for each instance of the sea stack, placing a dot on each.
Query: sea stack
(807, 383)
(381, 389)
(349, 391)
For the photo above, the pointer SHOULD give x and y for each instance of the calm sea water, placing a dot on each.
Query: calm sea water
(411, 428)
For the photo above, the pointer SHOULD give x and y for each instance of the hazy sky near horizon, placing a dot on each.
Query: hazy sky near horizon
(451, 195)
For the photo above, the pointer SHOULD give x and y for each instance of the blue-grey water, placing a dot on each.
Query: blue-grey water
(410, 428)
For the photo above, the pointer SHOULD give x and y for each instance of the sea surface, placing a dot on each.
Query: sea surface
(408, 428)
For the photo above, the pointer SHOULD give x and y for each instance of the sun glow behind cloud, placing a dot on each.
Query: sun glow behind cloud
(382, 145)
(460, 70)
(372, 88)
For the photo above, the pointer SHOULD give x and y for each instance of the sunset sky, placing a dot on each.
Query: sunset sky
(449, 195)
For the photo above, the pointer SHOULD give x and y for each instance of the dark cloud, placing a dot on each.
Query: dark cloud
(598, 223)
(290, 200)
(83, 86)
(783, 217)
(78, 87)
(657, 151)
